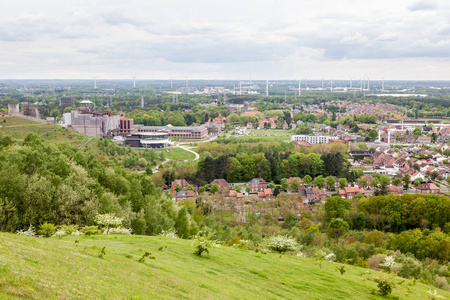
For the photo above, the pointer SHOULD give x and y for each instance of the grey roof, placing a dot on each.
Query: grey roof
(170, 127)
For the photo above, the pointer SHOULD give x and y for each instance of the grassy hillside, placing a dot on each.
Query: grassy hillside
(18, 128)
(69, 267)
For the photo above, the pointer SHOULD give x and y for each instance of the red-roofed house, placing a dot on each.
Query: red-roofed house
(181, 182)
(428, 188)
(350, 192)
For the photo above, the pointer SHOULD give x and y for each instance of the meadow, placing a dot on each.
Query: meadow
(70, 268)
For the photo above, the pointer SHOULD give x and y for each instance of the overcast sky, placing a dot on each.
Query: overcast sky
(225, 39)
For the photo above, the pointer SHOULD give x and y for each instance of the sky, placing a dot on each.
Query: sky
(225, 39)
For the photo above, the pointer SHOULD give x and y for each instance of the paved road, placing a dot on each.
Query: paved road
(89, 139)
(197, 156)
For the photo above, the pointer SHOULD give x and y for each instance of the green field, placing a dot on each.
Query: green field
(70, 268)
(251, 138)
(178, 154)
(271, 132)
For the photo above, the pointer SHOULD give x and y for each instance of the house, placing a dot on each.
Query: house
(222, 183)
(185, 194)
(240, 130)
(394, 190)
(257, 185)
(350, 192)
(312, 194)
(266, 195)
(301, 185)
(417, 175)
(261, 124)
(181, 182)
(273, 125)
(428, 188)
(249, 125)
(285, 126)
(424, 140)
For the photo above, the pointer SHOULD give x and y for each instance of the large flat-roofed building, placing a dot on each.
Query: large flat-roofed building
(98, 124)
(312, 139)
(181, 132)
(148, 140)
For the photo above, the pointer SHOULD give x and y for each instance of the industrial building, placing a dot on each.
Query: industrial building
(181, 132)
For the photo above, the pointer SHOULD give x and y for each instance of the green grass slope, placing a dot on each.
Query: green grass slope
(61, 268)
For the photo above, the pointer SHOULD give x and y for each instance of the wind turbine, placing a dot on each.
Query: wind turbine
(95, 81)
(350, 81)
(267, 88)
(142, 101)
(187, 80)
(171, 83)
(382, 84)
(299, 87)
(134, 80)
(331, 83)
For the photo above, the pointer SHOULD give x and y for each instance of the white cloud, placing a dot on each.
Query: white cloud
(64, 39)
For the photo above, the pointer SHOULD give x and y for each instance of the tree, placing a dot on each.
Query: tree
(337, 228)
(55, 113)
(295, 184)
(407, 180)
(360, 221)
(284, 184)
(375, 182)
(214, 189)
(363, 182)
(319, 181)
(190, 187)
(182, 223)
(384, 182)
(373, 134)
(417, 131)
(396, 181)
(330, 182)
(337, 207)
(276, 191)
(418, 182)
(108, 220)
(178, 188)
(343, 183)
(307, 180)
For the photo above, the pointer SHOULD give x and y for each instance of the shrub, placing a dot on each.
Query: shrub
(146, 254)
(280, 244)
(29, 232)
(441, 282)
(202, 244)
(90, 230)
(389, 263)
(118, 230)
(384, 285)
(68, 229)
(47, 229)
(169, 234)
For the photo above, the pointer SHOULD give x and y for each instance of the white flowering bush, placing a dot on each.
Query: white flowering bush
(77, 233)
(30, 232)
(118, 230)
(389, 263)
(280, 244)
(60, 233)
(109, 221)
(330, 257)
(171, 233)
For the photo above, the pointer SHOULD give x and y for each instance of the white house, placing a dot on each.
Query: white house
(240, 130)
